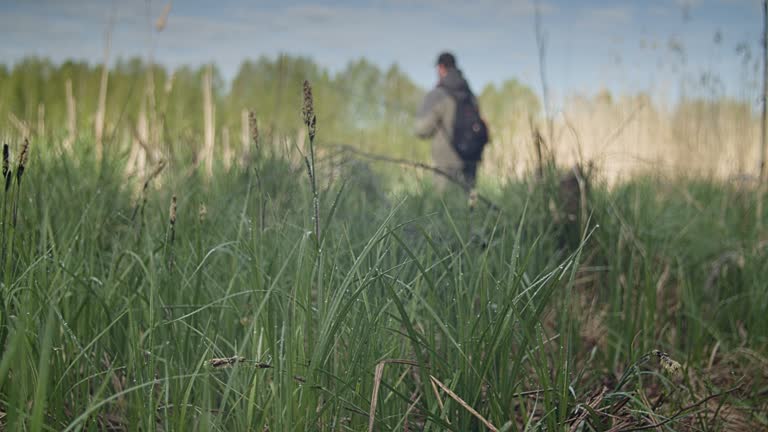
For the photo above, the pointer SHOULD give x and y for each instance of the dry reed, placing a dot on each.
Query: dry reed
(209, 128)
(464, 404)
(631, 135)
(162, 20)
(71, 117)
(19, 124)
(40, 119)
(102, 108)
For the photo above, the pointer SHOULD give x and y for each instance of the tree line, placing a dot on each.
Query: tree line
(362, 104)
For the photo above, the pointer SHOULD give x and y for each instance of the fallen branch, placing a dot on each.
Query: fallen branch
(680, 412)
(420, 165)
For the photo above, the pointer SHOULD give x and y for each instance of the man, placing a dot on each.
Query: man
(450, 116)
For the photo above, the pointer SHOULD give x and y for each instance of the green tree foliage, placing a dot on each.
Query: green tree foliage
(362, 104)
(507, 105)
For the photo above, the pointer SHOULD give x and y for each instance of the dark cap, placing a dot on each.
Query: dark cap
(446, 59)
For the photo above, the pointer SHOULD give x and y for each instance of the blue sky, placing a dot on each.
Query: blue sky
(622, 45)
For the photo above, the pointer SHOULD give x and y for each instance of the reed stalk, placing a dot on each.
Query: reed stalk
(7, 178)
(310, 121)
(71, 118)
(102, 107)
(209, 131)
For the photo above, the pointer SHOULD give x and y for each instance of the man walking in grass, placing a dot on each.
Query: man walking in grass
(450, 116)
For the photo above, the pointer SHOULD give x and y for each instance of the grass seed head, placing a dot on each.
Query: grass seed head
(313, 127)
(172, 213)
(202, 212)
(226, 361)
(6, 157)
(23, 157)
(7, 166)
(668, 363)
(308, 110)
(472, 199)
(162, 20)
(254, 127)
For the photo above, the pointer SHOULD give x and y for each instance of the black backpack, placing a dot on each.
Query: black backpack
(470, 133)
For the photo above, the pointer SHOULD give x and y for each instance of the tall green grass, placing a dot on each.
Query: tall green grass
(98, 330)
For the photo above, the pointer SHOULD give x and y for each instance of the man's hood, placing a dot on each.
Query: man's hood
(455, 83)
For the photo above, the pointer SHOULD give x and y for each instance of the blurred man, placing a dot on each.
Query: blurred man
(451, 117)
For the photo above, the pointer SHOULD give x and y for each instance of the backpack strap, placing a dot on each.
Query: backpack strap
(450, 92)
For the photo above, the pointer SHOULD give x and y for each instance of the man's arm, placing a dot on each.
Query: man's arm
(428, 118)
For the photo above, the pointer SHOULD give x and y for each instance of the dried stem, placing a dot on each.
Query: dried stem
(71, 117)
(22, 163)
(7, 176)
